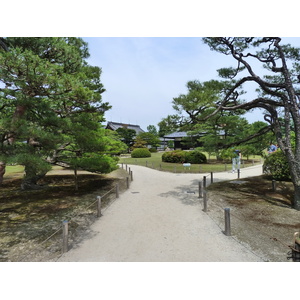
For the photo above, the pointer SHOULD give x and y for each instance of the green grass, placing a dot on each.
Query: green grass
(11, 170)
(213, 165)
(19, 170)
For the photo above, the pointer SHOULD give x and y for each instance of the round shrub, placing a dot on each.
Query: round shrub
(176, 156)
(195, 157)
(153, 150)
(140, 152)
(276, 166)
(180, 156)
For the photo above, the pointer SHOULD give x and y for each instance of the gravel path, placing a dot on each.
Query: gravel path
(160, 219)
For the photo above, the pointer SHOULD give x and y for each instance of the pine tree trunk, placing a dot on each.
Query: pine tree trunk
(76, 179)
(2, 171)
(31, 178)
(296, 203)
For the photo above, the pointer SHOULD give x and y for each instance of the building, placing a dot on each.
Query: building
(114, 126)
(182, 140)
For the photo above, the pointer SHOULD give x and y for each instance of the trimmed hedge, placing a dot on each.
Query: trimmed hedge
(176, 156)
(140, 153)
(276, 166)
(180, 156)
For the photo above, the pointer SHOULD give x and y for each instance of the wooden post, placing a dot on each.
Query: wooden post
(65, 236)
(99, 206)
(211, 177)
(127, 182)
(274, 185)
(117, 190)
(204, 182)
(227, 221)
(131, 176)
(238, 172)
(129, 171)
(200, 190)
(204, 201)
(126, 167)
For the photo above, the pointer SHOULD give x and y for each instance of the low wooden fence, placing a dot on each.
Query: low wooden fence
(62, 239)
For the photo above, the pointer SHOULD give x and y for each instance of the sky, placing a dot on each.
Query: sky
(142, 75)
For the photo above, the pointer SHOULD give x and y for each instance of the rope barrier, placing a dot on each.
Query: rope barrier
(71, 219)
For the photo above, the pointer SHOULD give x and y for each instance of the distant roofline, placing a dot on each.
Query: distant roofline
(137, 128)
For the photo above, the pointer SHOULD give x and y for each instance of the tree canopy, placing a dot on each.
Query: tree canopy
(274, 69)
(50, 102)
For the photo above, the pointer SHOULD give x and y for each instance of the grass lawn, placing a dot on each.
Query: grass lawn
(213, 165)
(18, 171)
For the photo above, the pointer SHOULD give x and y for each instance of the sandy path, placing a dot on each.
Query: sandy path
(160, 219)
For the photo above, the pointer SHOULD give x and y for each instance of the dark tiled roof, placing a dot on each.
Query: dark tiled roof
(115, 126)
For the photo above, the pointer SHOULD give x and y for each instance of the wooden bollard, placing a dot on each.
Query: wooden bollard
(126, 167)
(204, 182)
(227, 221)
(131, 175)
(99, 206)
(129, 171)
(65, 236)
(127, 182)
(238, 173)
(200, 190)
(274, 185)
(204, 201)
(211, 177)
(117, 190)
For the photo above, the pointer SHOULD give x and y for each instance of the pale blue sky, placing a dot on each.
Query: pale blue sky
(142, 75)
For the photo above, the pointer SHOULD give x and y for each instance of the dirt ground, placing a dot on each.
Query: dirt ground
(30, 221)
(262, 220)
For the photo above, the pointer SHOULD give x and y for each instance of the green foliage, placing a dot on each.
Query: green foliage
(153, 150)
(127, 135)
(195, 157)
(276, 166)
(139, 142)
(95, 163)
(146, 139)
(180, 156)
(176, 156)
(140, 152)
(51, 106)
